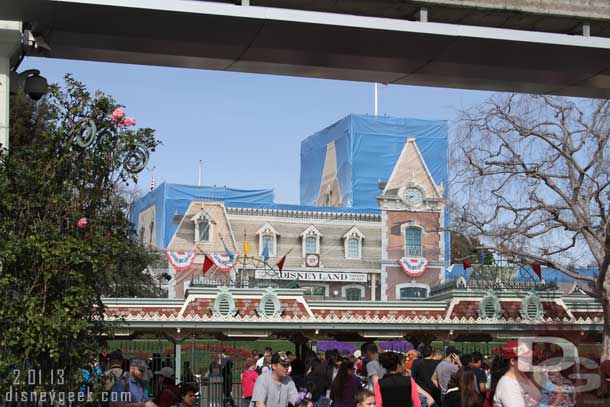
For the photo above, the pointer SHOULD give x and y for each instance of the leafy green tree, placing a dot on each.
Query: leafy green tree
(66, 239)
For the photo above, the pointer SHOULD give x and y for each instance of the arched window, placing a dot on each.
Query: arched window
(204, 230)
(311, 245)
(413, 238)
(203, 226)
(142, 230)
(267, 240)
(353, 248)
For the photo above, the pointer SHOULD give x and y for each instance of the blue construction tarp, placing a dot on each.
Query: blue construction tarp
(367, 149)
(174, 199)
(525, 273)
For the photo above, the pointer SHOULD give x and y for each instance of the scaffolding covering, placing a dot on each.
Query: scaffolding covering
(363, 150)
(171, 200)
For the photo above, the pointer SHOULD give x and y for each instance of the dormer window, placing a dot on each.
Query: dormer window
(352, 242)
(267, 236)
(311, 240)
(203, 226)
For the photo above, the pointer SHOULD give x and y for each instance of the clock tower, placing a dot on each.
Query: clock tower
(413, 212)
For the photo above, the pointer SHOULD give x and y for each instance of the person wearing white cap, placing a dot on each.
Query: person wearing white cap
(168, 395)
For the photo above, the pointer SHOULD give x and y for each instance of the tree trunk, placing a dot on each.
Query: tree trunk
(605, 300)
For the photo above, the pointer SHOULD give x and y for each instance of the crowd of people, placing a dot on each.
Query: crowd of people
(423, 378)
(366, 378)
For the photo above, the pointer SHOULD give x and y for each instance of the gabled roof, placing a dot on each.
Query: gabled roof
(311, 230)
(267, 228)
(411, 167)
(353, 232)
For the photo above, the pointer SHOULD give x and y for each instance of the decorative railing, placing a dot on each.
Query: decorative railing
(494, 285)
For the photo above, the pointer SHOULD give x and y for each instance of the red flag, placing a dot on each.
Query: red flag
(466, 264)
(280, 264)
(538, 270)
(207, 264)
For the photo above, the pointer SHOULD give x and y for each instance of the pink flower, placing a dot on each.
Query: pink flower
(118, 115)
(82, 223)
(129, 121)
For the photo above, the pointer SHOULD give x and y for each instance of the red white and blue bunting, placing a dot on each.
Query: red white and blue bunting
(413, 266)
(180, 260)
(223, 261)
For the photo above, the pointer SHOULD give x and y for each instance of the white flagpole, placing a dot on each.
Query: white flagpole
(376, 101)
(199, 173)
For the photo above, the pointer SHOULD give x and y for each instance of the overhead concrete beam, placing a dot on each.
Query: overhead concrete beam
(589, 9)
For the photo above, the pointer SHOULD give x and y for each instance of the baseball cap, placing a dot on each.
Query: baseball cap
(139, 363)
(357, 353)
(281, 358)
(512, 350)
(166, 372)
(115, 355)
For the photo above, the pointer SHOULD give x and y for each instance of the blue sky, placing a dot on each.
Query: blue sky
(246, 128)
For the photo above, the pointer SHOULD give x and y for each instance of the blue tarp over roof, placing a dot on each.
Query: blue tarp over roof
(174, 199)
(526, 274)
(367, 149)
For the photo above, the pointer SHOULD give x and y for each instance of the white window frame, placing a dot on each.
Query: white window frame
(411, 285)
(353, 233)
(267, 230)
(359, 287)
(403, 230)
(311, 231)
(197, 220)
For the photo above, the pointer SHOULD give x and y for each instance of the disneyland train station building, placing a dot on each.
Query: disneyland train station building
(365, 255)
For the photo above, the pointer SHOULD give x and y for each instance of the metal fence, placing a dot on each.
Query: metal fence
(219, 385)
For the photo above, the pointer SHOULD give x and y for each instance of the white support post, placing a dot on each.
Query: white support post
(373, 287)
(10, 39)
(4, 101)
(178, 360)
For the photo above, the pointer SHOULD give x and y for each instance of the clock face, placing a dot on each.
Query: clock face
(312, 260)
(413, 196)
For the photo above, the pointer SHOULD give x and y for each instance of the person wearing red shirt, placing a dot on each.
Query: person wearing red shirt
(168, 395)
(248, 378)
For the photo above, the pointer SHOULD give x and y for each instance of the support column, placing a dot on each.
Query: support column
(178, 360)
(10, 39)
(373, 287)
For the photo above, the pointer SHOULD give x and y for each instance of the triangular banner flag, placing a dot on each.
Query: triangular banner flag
(538, 270)
(280, 264)
(207, 264)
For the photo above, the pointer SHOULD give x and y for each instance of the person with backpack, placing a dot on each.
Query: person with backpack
(248, 379)
(129, 390)
(115, 371)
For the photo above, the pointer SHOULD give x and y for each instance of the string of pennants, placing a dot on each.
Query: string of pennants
(224, 262)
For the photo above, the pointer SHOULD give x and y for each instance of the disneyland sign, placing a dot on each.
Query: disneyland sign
(313, 276)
